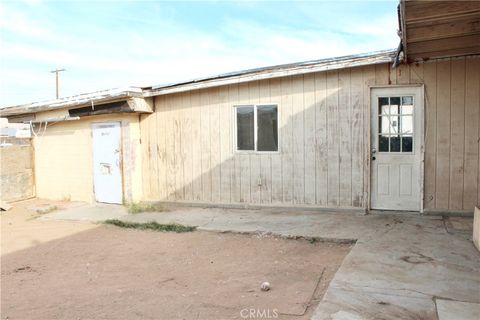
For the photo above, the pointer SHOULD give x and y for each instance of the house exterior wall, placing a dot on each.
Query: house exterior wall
(452, 94)
(188, 143)
(17, 180)
(64, 163)
(324, 124)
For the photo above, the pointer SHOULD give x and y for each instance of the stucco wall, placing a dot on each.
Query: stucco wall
(63, 158)
(16, 171)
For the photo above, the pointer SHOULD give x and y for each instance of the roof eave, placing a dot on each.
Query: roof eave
(69, 102)
(386, 56)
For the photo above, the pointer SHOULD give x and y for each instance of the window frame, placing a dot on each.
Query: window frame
(400, 135)
(255, 128)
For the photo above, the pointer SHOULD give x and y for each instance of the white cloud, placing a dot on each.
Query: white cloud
(168, 54)
(18, 23)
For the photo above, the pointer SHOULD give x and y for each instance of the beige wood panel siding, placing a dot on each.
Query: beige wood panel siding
(452, 111)
(471, 194)
(324, 122)
(321, 152)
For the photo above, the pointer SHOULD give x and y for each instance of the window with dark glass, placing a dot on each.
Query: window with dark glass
(245, 127)
(257, 128)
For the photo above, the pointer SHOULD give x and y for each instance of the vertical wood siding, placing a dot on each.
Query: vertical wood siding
(452, 132)
(324, 121)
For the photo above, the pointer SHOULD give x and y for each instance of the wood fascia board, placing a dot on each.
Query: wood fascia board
(445, 30)
(453, 53)
(443, 37)
(445, 44)
(442, 19)
(404, 30)
(450, 16)
(426, 10)
(43, 108)
(141, 105)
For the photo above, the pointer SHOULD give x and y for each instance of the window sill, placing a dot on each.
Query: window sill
(255, 152)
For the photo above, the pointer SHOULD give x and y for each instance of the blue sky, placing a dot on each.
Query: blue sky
(110, 44)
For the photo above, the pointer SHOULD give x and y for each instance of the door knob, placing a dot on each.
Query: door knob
(374, 151)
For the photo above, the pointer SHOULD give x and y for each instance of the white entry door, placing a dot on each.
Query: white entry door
(107, 176)
(396, 148)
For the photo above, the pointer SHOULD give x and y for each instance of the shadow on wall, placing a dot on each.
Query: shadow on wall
(188, 143)
(323, 161)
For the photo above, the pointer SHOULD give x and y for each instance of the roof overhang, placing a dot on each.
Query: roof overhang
(439, 29)
(385, 56)
(93, 99)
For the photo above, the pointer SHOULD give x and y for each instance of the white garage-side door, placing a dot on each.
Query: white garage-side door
(107, 175)
(397, 124)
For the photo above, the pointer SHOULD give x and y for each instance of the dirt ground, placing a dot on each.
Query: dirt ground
(20, 228)
(74, 270)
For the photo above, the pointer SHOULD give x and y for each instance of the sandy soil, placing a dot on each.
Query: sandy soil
(20, 228)
(105, 272)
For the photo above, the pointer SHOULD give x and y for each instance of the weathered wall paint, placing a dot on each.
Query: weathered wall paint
(16, 170)
(187, 143)
(63, 158)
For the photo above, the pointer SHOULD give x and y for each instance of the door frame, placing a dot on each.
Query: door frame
(368, 157)
(121, 164)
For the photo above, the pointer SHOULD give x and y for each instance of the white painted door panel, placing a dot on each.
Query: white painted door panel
(396, 148)
(106, 162)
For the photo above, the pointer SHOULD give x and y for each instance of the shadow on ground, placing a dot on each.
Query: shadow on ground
(114, 273)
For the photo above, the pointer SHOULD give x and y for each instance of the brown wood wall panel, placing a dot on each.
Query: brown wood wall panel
(421, 10)
(452, 135)
(443, 83)
(472, 114)
(430, 132)
(457, 134)
(324, 153)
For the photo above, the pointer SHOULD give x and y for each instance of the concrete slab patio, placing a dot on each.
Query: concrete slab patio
(403, 266)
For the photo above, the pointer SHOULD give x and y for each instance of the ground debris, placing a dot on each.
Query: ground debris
(265, 286)
(24, 269)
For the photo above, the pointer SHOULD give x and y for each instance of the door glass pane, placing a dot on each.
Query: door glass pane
(394, 105)
(407, 109)
(383, 143)
(407, 105)
(407, 124)
(383, 106)
(395, 144)
(407, 100)
(383, 125)
(407, 144)
(267, 126)
(394, 124)
(245, 128)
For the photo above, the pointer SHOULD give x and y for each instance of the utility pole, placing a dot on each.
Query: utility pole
(56, 71)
